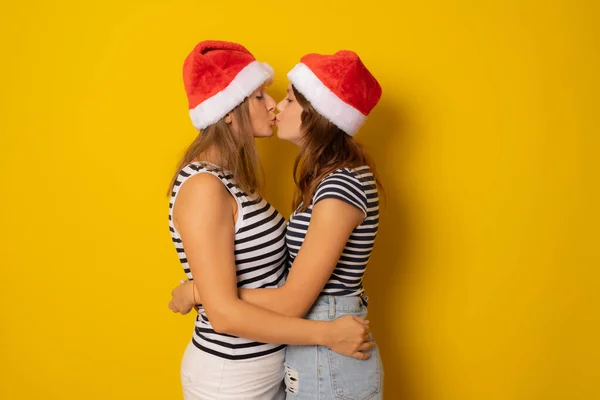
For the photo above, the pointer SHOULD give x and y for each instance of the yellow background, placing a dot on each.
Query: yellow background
(482, 283)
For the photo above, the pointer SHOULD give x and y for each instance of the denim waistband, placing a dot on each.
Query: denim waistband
(331, 304)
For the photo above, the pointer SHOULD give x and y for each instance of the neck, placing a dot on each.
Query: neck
(211, 155)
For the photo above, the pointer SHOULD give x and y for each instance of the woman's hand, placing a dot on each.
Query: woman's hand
(183, 298)
(349, 336)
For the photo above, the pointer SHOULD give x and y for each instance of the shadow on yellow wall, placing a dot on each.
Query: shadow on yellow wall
(390, 268)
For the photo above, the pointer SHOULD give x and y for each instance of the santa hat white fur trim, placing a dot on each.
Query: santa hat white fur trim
(214, 108)
(327, 103)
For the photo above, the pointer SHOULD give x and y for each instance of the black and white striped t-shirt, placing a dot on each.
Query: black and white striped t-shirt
(260, 258)
(357, 187)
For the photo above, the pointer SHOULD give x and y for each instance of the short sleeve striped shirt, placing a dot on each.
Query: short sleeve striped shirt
(356, 187)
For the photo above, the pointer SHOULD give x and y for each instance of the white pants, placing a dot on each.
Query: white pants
(207, 377)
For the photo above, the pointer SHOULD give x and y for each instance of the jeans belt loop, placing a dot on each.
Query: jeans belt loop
(331, 307)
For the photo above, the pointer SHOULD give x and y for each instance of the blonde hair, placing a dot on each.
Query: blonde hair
(238, 151)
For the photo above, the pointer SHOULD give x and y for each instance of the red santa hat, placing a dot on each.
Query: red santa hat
(218, 76)
(338, 86)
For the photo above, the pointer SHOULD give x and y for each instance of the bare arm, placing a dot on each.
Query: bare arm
(203, 216)
(331, 224)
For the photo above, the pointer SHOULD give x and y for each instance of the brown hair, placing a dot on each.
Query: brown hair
(238, 151)
(325, 148)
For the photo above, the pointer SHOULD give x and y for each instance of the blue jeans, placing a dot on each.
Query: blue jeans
(318, 373)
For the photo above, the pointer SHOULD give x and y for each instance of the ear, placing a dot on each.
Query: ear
(228, 118)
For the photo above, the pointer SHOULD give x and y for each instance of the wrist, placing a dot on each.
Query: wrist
(324, 334)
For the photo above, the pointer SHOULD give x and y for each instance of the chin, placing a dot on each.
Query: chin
(264, 134)
(284, 137)
(268, 132)
(280, 135)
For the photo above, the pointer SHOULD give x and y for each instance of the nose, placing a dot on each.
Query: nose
(270, 104)
(281, 105)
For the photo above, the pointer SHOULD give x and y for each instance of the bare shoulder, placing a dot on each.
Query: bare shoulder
(203, 186)
(202, 195)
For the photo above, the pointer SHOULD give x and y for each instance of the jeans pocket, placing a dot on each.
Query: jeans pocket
(354, 379)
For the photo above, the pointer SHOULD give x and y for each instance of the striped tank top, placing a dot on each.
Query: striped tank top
(260, 258)
(356, 187)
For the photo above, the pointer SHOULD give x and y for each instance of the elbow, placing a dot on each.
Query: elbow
(296, 311)
(295, 301)
(221, 326)
(289, 303)
(292, 304)
(293, 309)
(223, 320)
